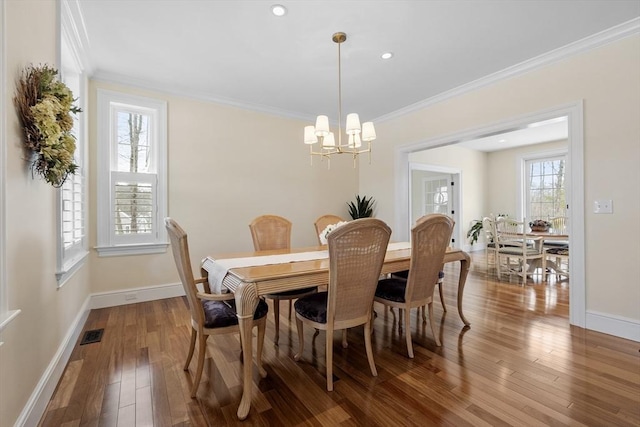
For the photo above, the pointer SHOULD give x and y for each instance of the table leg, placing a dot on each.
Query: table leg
(465, 263)
(246, 303)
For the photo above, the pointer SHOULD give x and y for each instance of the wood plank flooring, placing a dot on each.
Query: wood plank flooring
(519, 364)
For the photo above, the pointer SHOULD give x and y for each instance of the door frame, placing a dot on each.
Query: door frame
(574, 112)
(455, 175)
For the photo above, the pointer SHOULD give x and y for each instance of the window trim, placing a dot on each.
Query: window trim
(107, 244)
(6, 315)
(522, 167)
(70, 261)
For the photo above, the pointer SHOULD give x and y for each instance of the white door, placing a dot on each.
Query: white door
(437, 196)
(436, 193)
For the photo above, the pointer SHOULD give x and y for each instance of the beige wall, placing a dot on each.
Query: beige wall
(226, 167)
(33, 338)
(473, 177)
(503, 167)
(607, 80)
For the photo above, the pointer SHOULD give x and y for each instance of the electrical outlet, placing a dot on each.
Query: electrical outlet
(603, 206)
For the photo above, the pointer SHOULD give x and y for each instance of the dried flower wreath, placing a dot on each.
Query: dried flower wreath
(44, 105)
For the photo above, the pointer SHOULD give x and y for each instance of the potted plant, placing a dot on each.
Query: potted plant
(361, 208)
(476, 228)
(474, 232)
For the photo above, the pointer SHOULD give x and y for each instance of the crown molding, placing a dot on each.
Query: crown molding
(594, 41)
(586, 44)
(199, 96)
(75, 31)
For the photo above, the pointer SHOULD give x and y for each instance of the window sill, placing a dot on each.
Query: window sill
(70, 268)
(139, 249)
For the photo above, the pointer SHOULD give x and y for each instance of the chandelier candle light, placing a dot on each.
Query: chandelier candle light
(355, 133)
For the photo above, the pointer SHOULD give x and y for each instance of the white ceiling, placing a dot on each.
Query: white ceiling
(237, 52)
(535, 133)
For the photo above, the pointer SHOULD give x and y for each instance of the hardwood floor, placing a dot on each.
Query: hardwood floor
(520, 363)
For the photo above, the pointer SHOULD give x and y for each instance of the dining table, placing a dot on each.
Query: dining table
(250, 275)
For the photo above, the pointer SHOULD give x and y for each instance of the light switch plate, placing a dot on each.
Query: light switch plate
(603, 206)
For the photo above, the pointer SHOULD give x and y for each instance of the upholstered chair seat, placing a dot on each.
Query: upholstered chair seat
(219, 314)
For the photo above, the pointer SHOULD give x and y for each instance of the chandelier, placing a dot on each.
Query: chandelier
(356, 134)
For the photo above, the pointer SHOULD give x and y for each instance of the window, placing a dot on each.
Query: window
(545, 187)
(71, 199)
(132, 148)
(436, 195)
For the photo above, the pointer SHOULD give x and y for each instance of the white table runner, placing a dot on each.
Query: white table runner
(220, 267)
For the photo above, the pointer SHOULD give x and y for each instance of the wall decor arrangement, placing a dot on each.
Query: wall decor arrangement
(45, 106)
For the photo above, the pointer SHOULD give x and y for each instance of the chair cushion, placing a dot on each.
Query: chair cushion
(558, 251)
(518, 251)
(391, 289)
(296, 293)
(218, 314)
(313, 307)
(556, 243)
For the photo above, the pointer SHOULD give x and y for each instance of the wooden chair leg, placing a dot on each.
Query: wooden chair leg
(329, 358)
(433, 326)
(276, 314)
(202, 349)
(192, 345)
(369, 348)
(444, 307)
(407, 333)
(300, 328)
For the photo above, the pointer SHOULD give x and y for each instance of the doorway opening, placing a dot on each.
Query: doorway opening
(575, 176)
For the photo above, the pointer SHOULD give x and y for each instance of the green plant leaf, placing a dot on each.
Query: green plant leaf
(362, 207)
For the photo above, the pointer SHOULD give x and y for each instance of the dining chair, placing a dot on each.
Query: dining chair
(429, 240)
(558, 225)
(356, 255)
(211, 314)
(322, 222)
(514, 242)
(270, 232)
(405, 275)
(491, 248)
(558, 259)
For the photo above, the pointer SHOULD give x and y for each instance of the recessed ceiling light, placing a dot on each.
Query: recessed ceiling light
(387, 55)
(278, 10)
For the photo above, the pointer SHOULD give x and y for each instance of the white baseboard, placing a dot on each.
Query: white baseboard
(39, 399)
(37, 404)
(613, 325)
(134, 295)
